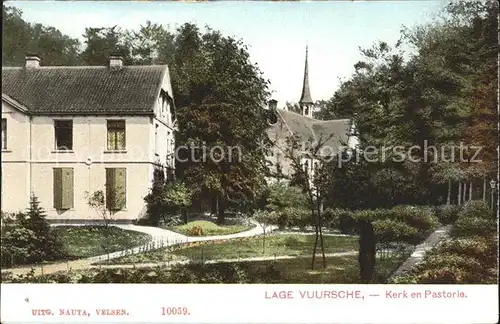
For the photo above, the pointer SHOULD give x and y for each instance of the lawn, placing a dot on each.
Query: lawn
(275, 245)
(339, 270)
(87, 241)
(209, 228)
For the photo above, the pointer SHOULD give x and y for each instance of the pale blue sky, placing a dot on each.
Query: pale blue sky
(275, 32)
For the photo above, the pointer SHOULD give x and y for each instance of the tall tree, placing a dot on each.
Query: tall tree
(21, 38)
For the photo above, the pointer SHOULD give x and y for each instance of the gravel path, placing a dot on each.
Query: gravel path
(417, 256)
(160, 238)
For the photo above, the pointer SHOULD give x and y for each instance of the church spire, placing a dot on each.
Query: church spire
(306, 101)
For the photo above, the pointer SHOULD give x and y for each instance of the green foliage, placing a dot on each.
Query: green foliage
(447, 214)
(27, 237)
(21, 38)
(341, 219)
(444, 93)
(389, 230)
(208, 228)
(282, 196)
(295, 217)
(474, 226)
(410, 224)
(475, 219)
(166, 200)
(469, 256)
(476, 209)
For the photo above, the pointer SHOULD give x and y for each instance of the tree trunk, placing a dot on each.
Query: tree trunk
(484, 189)
(214, 209)
(448, 197)
(221, 212)
(320, 223)
(459, 196)
(470, 190)
(185, 216)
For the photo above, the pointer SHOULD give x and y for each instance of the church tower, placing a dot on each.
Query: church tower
(306, 103)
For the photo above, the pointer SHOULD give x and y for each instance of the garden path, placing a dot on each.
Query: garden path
(159, 238)
(417, 256)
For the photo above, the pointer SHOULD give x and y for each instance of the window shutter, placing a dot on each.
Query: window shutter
(110, 189)
(57, 188)
(67, 188)
(120, 188)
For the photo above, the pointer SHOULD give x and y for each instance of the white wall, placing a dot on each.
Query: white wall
(15, 160)
(89, 158)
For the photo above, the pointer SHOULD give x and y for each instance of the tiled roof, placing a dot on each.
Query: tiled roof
(84, 89)
(332, 133)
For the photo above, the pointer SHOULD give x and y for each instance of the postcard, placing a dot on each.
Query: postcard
(250, 162)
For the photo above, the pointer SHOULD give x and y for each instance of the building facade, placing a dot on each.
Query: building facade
(70, 131)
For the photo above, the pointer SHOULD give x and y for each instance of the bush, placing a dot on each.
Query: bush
(27, 237)
(472, 226)
(166, 201)
(281, 196)
(421, 217)
(347, 222)
(476, 208)
(195, 231)
(448, 214)
(389, 230)
(265, 217)
(296, 217)
(333, 218)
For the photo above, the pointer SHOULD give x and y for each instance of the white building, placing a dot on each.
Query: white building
(67, 131)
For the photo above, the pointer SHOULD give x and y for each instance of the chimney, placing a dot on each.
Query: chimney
(32, 61)
(115, 61)
(272, 104)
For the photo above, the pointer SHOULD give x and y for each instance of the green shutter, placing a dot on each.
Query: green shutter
(120, 188)
(110, 189)
(57, 188)
(116, 188)
(67, 188)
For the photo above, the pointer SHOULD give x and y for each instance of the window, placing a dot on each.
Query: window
(63, 188)
(63, 130)
(116, 188)
(4, 133)
(116, 135)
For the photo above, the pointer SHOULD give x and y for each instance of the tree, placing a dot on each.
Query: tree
(102, 42)
(441, 94)
(220, 96)
(165, 201)
(311, 182)
(21, 38)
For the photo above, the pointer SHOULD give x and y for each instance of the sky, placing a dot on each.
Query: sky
(276, 32)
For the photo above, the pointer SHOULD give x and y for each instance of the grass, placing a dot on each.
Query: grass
(87, 241)
(209, 228)
(275, 245)
(339, 270)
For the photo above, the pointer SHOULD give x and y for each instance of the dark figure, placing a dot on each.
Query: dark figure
(367, 251)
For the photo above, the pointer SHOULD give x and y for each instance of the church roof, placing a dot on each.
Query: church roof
(331, 133)
(306, 92)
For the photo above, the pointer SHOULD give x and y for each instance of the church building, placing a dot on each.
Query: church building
(331, 135)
